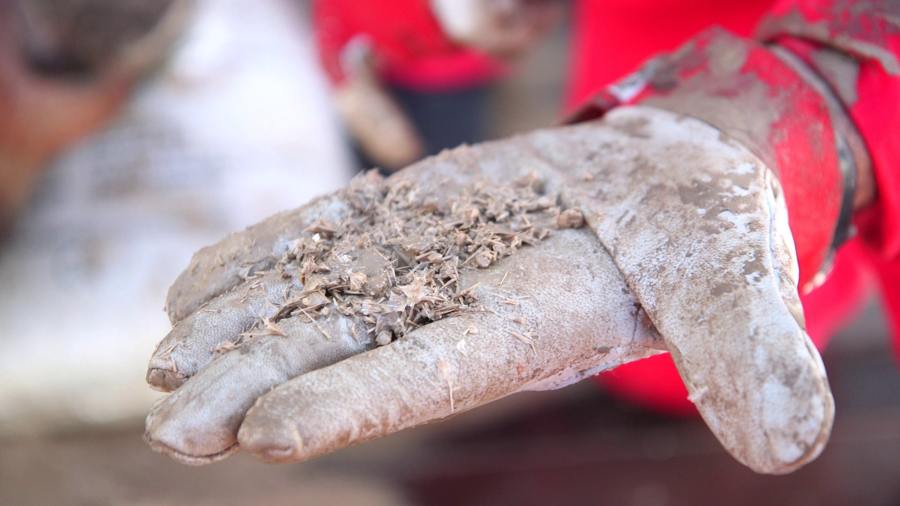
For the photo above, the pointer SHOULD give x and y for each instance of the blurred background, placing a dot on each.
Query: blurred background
(124, 151)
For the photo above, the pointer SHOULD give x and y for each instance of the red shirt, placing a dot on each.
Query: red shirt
(409, 46)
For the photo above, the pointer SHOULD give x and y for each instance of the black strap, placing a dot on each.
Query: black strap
(843, 230)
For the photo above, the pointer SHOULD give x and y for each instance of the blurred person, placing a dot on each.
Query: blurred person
(814, 97)
(136, 162)
(411, 77)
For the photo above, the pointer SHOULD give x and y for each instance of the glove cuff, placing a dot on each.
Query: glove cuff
(767, 100)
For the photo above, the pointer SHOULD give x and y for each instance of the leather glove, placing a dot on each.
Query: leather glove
(685, 248)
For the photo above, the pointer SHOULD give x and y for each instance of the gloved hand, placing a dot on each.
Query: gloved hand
(278, 348)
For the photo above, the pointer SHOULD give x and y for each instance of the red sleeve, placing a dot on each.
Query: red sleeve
(332, 32)
(406, 39)
(867, 32)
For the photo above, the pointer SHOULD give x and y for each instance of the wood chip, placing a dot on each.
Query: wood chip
(525, 339)
(570, 218)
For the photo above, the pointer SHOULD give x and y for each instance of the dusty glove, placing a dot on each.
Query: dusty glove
(788, 103)
(686, 249)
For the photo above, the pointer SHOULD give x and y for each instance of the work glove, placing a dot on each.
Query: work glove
(523, 264)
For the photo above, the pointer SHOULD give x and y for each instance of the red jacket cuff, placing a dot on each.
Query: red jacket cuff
(871, 42)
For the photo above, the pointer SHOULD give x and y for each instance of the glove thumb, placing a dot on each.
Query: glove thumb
(698, 226)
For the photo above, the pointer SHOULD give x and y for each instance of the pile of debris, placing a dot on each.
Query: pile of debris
(395, 260)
